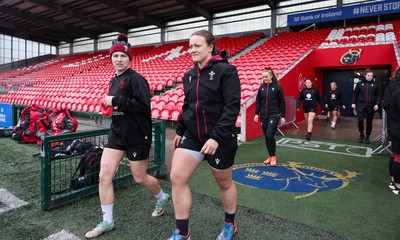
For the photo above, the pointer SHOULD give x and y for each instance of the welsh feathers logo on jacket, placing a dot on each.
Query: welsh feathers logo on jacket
(212, 73)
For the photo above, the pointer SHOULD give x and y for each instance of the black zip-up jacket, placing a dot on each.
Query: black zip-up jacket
(212, 101)
(391, 104)
(334, 98)
(366, 94)
(131, 118)
(270, 101)
(309, 97)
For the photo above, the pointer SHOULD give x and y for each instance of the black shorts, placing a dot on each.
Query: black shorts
(395, 147)
(333, 106)
(133, 152)
(224, 155)
(309, 109)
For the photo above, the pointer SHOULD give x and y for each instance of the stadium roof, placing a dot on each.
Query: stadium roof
(52, 22)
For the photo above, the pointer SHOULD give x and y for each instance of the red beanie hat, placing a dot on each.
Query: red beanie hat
(121, 45)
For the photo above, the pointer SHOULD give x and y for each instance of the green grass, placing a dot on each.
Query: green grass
(362, 210)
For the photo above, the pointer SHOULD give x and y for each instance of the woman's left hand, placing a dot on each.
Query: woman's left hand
(376, 107)
(209, 147)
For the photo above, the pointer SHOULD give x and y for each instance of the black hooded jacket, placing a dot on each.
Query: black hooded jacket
(367, 94)
(391, 104)
(270, 101)
(131, 118)
(212, 101)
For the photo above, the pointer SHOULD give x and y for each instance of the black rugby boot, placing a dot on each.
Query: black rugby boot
(361, 138)
(308, 136)
(367, 139)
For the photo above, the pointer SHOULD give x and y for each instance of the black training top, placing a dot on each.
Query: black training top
(334, 98)
(309, 97)
(131, 118)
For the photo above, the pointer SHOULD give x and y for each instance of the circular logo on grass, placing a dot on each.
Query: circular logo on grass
(291, 177)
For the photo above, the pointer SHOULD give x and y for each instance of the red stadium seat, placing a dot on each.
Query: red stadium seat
(155, 113)
(174, 115)
(164, 114)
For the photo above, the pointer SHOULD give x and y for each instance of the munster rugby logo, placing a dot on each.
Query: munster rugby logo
(351, 57)
(291, 177)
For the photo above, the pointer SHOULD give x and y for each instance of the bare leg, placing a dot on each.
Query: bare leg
(139, 173)
(183, 166)
(228, 189)
(335, 115)
(310, 120)
(108, 165)
(306, 119)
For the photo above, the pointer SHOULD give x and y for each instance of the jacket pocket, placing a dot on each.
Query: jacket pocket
(205, 121)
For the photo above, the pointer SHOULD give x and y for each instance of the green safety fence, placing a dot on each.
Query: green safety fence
(57, 171)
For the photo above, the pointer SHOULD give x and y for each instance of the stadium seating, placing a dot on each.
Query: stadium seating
(278, 52)
(79, 81)
(383, 33)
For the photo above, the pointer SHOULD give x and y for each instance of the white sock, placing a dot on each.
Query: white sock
(107, 211)
(160, 196)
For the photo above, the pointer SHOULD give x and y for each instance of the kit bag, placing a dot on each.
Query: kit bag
(61, 121)
(25, 131)
(88, 168)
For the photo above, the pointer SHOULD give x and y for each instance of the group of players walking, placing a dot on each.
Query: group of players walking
(206, 129)
(270, 107)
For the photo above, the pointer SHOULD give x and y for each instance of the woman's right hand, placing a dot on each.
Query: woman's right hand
(176, 140)
(107, 101)
(256, 118)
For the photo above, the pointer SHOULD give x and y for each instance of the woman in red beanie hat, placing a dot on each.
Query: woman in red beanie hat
(130, 134)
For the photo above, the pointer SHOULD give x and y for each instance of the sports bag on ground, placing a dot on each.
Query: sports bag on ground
(6, 132)
(61, 121)
(89, 168)
(70, 148)
(25, 131)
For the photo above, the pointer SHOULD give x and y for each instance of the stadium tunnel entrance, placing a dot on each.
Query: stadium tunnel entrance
(346, 81)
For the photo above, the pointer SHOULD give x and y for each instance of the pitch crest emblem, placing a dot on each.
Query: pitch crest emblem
(291, 177)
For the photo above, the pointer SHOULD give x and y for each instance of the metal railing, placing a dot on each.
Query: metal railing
(57, 172)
